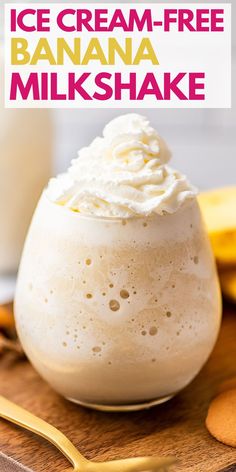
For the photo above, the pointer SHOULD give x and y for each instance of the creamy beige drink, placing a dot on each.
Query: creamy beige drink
(25, 167)
(118, 300)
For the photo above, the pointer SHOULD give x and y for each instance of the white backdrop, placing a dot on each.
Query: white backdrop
(203, 142)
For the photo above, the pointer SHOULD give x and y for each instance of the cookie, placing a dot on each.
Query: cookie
(221, 418)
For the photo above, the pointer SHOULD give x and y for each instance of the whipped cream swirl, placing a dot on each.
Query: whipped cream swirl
(122, 174)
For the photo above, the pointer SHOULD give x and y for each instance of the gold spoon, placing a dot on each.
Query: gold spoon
(14, 413)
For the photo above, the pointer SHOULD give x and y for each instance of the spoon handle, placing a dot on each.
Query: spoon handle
(21, 417)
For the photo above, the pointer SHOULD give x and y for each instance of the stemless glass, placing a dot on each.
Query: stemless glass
(117, 314)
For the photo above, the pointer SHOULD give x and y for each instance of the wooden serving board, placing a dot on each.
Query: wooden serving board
(175, 428)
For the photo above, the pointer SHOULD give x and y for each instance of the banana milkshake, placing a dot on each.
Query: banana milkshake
(118, 303)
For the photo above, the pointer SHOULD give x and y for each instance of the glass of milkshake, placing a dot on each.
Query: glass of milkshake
(118, 304)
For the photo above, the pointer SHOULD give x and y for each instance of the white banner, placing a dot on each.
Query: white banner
(153, 55)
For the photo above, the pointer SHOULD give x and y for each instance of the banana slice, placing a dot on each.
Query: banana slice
(219, 211)
(228, 283)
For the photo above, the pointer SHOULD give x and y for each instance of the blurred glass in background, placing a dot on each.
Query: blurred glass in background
(25, 167)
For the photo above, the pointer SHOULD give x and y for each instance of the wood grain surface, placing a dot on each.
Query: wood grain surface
(175, 428)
